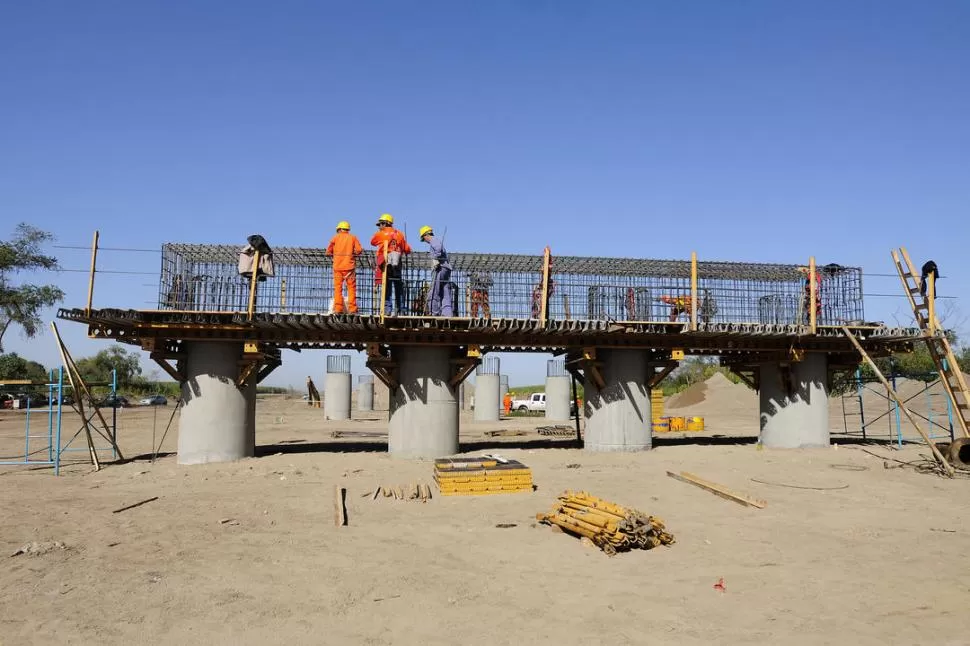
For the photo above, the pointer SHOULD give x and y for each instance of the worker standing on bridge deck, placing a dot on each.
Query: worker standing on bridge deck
(442, 300)
(344, 248)
(678, 305)
(396, 246)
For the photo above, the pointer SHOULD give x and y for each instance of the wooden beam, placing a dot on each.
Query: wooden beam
(717, 490)
(544, 306)
(252, 285)
(245, 371)
(902, 405)
(94, 265)
(339, 507)
(693, 291)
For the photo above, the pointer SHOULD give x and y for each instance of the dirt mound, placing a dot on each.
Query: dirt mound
(717, 388)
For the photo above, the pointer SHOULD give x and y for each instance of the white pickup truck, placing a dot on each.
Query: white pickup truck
(535, 402)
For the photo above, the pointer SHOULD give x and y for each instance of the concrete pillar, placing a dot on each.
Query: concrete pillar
(488, 390)
(557, 392)
(365, 393)
(337, 390)
(218, 420)
(618, 417)
(424, 408)
(798, 417)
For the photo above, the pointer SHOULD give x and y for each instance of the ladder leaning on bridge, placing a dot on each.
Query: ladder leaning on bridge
(936, 341)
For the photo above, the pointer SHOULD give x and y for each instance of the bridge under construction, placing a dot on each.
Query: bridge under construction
(621, 325)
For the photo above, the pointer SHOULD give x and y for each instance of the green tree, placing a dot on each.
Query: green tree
(98, 368)
(22, 304)
(13, 366)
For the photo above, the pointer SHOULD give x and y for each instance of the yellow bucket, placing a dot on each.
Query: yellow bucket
(661, 425)
(677, 424)
(695, 423)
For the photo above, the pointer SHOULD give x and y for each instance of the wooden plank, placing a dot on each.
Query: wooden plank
(339, 506)
(137, 504)
(252, 285)
(813, 296)
(717, 490)
(902, 405)
(693, 291)
(543, 307)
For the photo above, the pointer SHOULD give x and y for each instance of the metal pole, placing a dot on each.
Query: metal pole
(94, 264)
(114, 413)
(60, 398)
(813, 296)
(50, 415)
(899, 423)
(27, 443)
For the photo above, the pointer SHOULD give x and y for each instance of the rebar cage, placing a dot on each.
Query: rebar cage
(197, 277)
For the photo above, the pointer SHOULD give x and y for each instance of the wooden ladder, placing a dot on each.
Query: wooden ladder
(935, 338)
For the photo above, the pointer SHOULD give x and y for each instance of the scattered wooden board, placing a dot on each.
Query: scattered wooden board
(339, 508)
(717, 490)
(137, 504)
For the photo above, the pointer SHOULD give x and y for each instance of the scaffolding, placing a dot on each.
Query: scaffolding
(206, 278)
(861, 421)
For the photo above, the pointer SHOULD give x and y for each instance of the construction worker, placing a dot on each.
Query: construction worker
(507, 403)
(441, 291)
(390, 245)
(480, 284)
(678, 305)
(929, 269)
(344, 248)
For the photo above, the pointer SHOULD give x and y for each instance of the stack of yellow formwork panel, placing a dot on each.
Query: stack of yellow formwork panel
(656, 403)
(609, 526)
(481, 476)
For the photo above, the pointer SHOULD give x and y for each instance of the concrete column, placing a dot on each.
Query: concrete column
(618, 417)
(557, 392)
(797, 417)
(424, 408)
(218, 420)
(338, 389)
(488, 390)
(365, 393)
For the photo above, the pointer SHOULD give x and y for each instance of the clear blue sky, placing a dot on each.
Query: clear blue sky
(743, 130)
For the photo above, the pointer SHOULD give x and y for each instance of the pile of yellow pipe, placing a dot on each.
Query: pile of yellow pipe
(609, 526)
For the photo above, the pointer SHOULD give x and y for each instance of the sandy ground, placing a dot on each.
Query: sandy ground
(875, 558)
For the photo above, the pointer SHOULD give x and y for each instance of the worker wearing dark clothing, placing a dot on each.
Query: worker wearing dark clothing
(390, 246)
(929, 269)
(442, 299)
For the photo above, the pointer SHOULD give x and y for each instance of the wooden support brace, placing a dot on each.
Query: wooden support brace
(245, 371)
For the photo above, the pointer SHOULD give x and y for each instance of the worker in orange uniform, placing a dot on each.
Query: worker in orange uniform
(678, 305)
(396, 246)
(344, 248)
(507, 403)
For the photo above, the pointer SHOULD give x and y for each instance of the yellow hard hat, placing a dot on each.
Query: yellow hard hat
(423, 231)
(343, 224)
(387, 217)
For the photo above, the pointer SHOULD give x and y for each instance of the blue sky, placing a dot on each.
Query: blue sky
(744, 130)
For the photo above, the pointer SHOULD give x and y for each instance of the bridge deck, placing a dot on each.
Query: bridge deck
(737, 343)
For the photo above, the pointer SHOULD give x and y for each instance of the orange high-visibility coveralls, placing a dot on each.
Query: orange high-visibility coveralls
(344, 248)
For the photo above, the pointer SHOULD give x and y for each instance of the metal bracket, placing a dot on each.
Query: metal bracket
(177, 372)
(380, 363)
(463, 366)
(657, 377)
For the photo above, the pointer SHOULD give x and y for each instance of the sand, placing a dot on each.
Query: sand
(875, 562)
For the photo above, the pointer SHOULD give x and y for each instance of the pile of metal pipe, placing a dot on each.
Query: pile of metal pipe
(609, 526)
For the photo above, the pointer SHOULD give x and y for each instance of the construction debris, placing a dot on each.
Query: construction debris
(420, 492)
(717, 489)
(358, 434)
(609, 526)
(339, 506)
(137, 504)
(481, 476)
(504, 433)
(559, 430)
